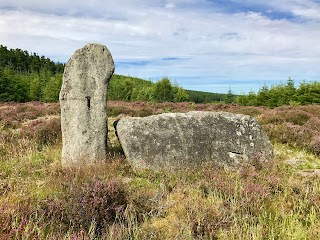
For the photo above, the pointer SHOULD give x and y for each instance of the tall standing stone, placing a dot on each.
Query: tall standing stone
(83, 99)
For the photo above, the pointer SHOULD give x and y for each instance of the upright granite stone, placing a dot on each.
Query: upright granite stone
(177, 140)
(83, 99)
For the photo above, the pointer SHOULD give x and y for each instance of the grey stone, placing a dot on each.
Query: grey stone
(174, 140)
(294, 162)
(309, 173)
(83, 99)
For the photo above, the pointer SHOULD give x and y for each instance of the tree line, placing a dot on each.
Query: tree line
(45, 86)
(283, 94)
(24, 62)
(135, 89)
(28, 77)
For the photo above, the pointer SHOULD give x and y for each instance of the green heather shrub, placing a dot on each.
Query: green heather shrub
(21, 221)
(43, 131)
(89, 204)
(13, 115)
(296, 126)
(281, 115)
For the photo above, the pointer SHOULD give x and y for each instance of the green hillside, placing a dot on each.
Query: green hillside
(131, 89)
(27, 77)
(208, 97)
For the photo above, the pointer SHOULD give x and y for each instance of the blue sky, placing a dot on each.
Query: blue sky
(207, 45)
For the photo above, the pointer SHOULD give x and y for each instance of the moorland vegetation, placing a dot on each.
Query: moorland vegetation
(39, 199)
(42, 200)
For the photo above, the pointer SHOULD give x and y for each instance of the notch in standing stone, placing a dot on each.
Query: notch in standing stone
(88, 102)
(84, 87)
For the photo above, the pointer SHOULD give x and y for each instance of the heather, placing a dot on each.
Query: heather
(296, 126)
(42, 200)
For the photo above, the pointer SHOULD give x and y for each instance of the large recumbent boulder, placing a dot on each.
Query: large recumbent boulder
(176, 140)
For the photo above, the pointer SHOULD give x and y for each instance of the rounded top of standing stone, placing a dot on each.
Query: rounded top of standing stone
(87, 72)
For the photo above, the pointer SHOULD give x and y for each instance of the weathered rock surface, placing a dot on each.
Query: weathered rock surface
(309, 173)
(175, 140)
(83, 99)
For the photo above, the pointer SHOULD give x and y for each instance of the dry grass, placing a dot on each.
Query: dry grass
(41, 200)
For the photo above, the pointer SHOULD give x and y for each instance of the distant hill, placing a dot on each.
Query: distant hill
(26, 77)
(193, 96)
(206, 97)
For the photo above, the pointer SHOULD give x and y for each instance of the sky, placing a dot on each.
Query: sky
(206, 45)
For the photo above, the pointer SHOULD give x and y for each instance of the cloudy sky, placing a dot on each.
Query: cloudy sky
(208, 45)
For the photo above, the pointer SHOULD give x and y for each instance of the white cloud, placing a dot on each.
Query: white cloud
(170, 5)
(210, 45)
(306, 9)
